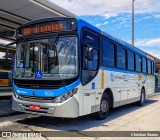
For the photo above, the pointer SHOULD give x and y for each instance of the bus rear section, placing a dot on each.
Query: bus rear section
(5, 83)
(4, 78)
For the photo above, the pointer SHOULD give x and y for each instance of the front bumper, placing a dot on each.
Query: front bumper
(67, 109)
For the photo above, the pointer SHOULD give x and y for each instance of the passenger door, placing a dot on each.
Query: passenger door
(90, 62)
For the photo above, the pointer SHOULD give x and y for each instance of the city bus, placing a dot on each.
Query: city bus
(5, 83)
(65, 67)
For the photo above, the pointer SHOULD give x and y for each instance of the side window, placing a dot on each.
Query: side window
(144, 65)
(130, 58)
(3, 75)
(91, 39)
(91, 65)
(149, 66)
(108, 53)
(121, 57)
(138, 63)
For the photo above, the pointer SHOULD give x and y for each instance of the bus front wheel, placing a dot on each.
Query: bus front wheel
(104, 107)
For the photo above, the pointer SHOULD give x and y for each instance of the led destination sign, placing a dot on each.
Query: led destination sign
(42, 29)
(53, 26)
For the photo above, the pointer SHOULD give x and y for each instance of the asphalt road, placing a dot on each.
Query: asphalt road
(126, 118)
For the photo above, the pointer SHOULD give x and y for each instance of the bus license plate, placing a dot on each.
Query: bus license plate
(34, 107)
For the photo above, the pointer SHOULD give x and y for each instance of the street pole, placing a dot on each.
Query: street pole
(133, 22)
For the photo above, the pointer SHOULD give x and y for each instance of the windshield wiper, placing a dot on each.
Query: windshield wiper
(54, 43)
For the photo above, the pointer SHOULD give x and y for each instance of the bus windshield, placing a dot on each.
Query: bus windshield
(54, 58)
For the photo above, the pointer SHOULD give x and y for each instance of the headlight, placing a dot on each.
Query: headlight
(15, 94)
(65, 96)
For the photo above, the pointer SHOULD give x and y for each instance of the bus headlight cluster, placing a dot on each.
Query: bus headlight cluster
(65, 96)
(15, 94)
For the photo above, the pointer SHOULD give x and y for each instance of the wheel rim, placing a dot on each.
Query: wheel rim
(104, 106)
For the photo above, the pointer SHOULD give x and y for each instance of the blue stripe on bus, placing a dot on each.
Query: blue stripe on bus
(122, 71)
(47, 92)
(73, 85)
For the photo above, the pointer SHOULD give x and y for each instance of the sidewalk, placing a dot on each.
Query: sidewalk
(6, 108)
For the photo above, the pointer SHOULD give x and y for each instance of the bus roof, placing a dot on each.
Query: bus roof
(113, 38)
(82, 23)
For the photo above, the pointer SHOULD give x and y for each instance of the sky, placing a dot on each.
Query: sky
(114, 17)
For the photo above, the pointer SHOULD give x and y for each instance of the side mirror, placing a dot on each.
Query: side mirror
(90, 54)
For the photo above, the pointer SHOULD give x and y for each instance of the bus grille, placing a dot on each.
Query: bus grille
(36, 99)
(37, 84)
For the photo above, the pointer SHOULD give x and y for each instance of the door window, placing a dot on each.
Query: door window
(90, 41)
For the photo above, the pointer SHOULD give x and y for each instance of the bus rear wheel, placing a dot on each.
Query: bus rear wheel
(104, 107)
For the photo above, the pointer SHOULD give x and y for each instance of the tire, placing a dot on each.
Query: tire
(104, 107)
(142, 98)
